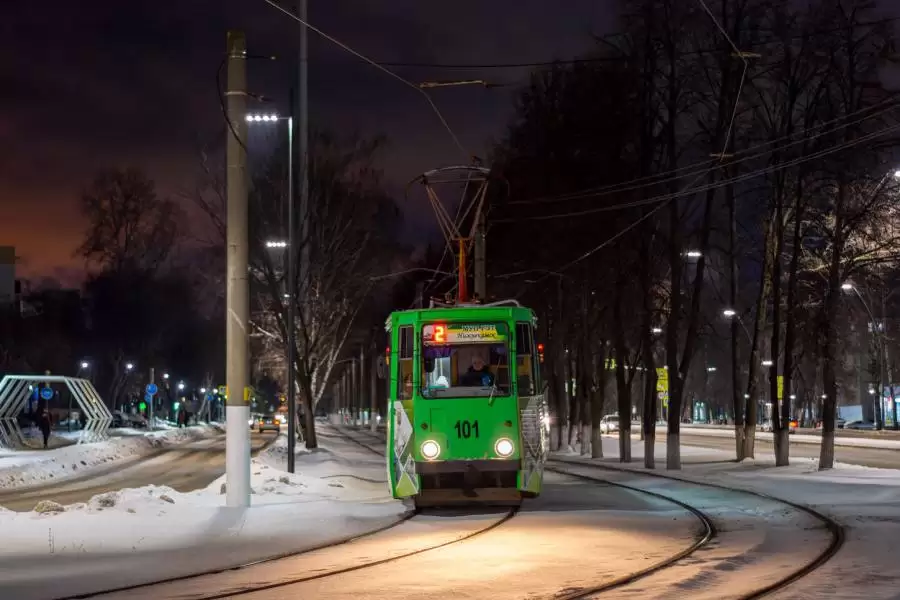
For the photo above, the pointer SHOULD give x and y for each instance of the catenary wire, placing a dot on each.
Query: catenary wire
(633, 184)
(381, 68)
(716, 185)
(688, 190)
(602, 59)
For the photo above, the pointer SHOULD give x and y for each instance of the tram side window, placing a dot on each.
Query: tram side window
(405, 363)
(526, 365)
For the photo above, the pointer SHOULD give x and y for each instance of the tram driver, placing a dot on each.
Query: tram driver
(478, 375)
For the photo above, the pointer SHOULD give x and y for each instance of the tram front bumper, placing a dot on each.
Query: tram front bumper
(443, 467)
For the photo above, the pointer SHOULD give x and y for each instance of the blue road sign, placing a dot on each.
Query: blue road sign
(46, 393)
(152, 389)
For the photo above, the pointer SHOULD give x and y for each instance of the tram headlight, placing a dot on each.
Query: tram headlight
(430, 449)
(504, 447)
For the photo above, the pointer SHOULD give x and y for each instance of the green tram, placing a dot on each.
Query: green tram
(468, 418)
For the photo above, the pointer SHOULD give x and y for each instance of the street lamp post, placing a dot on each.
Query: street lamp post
(730, 313)
(290, 245)
(880, 343)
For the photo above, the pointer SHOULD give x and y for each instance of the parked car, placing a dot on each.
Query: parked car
(269, 423)
(860, 425)
(609, 423)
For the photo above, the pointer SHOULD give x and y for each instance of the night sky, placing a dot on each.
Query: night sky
(88, 85)
(102, 83)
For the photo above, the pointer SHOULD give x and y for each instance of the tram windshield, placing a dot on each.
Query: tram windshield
(461, 360)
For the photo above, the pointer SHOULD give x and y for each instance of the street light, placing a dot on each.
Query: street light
(767, 363)
(878, 332)
(729, 312)
(85, 364)
(656, 330)
(129, 366)
(693, 254)
(711, 369)
(165, 375)
(276, 244)
(202, 390)
(258, 118)
(180, 385)
(291, 282)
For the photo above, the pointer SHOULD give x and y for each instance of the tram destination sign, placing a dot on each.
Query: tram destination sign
(463, 333)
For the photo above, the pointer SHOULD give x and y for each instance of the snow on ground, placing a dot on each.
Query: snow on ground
(88, 546)
(866, 501)
(27, 468)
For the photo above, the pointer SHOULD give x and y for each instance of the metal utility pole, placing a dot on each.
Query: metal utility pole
(152, 398)
(292, 300)
(237, 436)
(302, 112)
(362, 384)
(480, 274)
(420, 294)
(373, 388)
(354, 392)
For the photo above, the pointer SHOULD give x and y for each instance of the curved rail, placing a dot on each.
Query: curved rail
(835, 528)
(288, 582)
(212, 572)
(706, 534)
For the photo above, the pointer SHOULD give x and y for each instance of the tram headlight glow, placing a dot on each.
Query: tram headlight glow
(504, 447)
(430, 449)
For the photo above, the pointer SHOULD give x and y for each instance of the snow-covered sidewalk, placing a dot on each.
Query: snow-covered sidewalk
(796, 438)
(21, 469)
(866, 501)
(147, 534)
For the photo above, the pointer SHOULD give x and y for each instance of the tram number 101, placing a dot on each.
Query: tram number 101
(466, 429)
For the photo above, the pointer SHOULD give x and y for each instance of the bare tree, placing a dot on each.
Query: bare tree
(128, 224)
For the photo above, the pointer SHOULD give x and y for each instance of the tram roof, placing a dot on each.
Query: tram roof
(461, 313)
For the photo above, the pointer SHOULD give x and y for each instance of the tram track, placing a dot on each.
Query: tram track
(290, 581)
(836, 531)
(706, 535)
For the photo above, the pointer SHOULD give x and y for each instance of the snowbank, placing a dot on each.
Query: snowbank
(864, 500)
(29, 468)
(797, 438)
(151, 533)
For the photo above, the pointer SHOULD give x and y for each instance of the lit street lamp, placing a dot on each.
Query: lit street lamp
(728, 312)
(656, 330)
(181, 385)
(129, 366)
(767, 363)
(711, 369)
(202, 390)
(276, 244)
(878, 332)
(85, 364)
(693, 254)
(291, 283)
(165, 375)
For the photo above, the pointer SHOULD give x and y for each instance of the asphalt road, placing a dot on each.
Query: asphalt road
(868, 457)
(184, 467)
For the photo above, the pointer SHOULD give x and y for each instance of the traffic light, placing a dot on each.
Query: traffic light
(541, 353)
